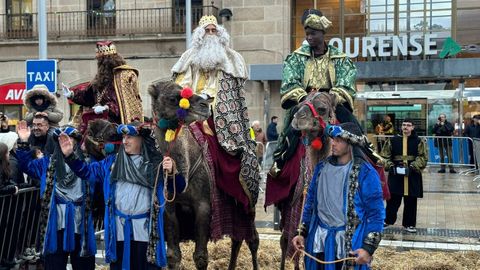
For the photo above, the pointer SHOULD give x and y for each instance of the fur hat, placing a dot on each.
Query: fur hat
(39, 90)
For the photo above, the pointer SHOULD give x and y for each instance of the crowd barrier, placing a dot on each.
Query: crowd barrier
(268, 155)
(476, 149)
(19, 216)
(457, 151)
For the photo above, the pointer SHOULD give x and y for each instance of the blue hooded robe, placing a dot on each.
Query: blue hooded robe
(368, 206)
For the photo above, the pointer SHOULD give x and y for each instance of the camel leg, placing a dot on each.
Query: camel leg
(202, 234)
(174, 254)
(235, 249)
(253, 246)
(283, 246)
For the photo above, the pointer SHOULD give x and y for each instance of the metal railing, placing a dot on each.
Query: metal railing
(90, 23)
(454, 151)
(19, 215)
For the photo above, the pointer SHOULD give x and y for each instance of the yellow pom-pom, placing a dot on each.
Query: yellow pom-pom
(170, 135)
(184, 103)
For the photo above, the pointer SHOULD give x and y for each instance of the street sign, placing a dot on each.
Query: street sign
(41, 72)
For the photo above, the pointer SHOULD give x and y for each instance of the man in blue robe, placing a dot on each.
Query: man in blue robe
(343, 212)
(66, 226)
(133, 187)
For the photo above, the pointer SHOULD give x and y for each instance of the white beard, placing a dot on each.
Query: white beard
(209, 54)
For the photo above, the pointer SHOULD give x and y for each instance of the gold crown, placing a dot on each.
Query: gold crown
(105, 48)
(208, 19)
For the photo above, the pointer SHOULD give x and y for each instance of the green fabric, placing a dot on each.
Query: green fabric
(293, 75)
(294, 66)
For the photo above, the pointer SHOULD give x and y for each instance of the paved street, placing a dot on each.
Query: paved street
(448, 213)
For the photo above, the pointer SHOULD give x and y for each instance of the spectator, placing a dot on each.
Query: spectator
(6, 136)
(445, 129)
(473, 132)
(41, 134)
(260, 139)
(7, 187)
(384, 128)
(40, 100)
(9, 138)
(272, 133)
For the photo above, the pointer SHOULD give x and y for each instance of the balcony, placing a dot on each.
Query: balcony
(91, 24)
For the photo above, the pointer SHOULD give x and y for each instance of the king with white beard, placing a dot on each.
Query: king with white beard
(214, 70)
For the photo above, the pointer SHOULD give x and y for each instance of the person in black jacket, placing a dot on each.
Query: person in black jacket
(473, 132)
(7, 187)
(272, 133)
(445, 129)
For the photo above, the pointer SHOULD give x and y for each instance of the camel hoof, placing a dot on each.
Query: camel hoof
(201, 261)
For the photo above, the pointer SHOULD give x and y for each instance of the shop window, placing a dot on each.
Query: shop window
(329, 8)
(14, 113)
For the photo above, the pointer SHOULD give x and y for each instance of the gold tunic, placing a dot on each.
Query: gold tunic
(317, 73)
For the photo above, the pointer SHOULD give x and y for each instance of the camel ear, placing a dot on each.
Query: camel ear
(154, 91)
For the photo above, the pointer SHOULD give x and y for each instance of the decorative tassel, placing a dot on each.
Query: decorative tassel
(181, 114)
(184, 103)
(317, 144)
(170, 135)
(186, 92)
(163, 123)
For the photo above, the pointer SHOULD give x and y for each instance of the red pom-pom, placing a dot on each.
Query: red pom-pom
(317, 144)
(186, 93)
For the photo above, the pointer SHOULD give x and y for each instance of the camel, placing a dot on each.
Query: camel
(321, 104)
(187, 217)
(99, 132)
(192, 207)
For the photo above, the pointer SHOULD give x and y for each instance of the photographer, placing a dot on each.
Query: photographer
(445, 129)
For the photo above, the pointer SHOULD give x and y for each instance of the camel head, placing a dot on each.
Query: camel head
(101, 138)
(165, 103)
(315, 112)
(312, 117)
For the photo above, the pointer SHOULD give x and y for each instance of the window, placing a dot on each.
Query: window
(101, 17)
(19, 18)
(179, 18)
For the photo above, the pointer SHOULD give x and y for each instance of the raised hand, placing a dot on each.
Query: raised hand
(23, 131)
(66, 91)
(65, 144)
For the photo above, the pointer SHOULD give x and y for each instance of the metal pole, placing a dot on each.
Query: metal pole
(460, 106)
(42, 30)
(188, 22)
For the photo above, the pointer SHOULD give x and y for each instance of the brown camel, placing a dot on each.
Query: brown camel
(309, 119)
(187, 217)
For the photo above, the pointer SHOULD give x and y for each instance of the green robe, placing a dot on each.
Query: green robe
(339, 73)
(341, 70)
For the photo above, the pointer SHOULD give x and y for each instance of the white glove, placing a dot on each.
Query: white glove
(100, 109)
(66, 91)
(204, 96)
